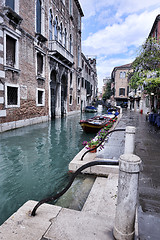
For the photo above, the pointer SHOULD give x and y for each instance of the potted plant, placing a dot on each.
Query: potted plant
(92, 144)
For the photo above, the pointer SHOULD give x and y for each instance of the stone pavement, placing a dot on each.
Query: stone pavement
(147, 147)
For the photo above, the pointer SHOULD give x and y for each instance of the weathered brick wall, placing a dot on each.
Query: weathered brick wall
(26, 78)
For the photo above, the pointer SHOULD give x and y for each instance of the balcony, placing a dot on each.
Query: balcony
(56, 49)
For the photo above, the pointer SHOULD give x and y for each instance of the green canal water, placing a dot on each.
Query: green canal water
(34, 160)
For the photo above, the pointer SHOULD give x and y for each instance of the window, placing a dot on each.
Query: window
(70, 43)
(11, 56)
(71, 80)
(65, 38)
(70, 7)
(61, 33)
(78, 100)
(11, 4)
(122, 74)
(40, 98)
(78, 83)
(82, 82)
(50, 25)
(10, 51)
(56, 29)
(79, 56)
(82, 63)
(79, 22)
(70, 99)
(38, 16)
(39, 63)
(122, 92)
(156, 34)
(12, 96)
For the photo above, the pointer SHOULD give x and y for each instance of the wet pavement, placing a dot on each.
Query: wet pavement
(147, 147)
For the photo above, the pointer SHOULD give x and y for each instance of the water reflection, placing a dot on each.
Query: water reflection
(34, 160)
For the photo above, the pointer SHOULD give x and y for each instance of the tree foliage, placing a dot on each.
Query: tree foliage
(107, 94)
(146, 67)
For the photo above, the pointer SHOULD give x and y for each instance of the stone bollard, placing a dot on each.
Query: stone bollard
(129, 168)
(129, 140)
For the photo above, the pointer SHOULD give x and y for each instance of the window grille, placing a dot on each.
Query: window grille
(40, 97)
(12, 95)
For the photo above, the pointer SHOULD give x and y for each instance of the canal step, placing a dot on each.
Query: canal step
(103, 197)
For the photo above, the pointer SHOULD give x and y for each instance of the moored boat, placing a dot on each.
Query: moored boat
(94, 124)
(90, 109)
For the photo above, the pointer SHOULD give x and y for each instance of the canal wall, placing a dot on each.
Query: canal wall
(22, 123)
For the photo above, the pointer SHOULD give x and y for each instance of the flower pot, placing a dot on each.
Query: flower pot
(95, 150)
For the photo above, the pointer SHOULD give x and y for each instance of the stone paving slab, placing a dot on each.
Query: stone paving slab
(74, 225)
(21, 226)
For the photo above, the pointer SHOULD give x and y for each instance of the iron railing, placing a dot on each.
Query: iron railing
(103, 139)
(58, 195)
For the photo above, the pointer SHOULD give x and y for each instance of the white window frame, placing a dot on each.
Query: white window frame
(6, 96)
(16, 38)
(43, 97)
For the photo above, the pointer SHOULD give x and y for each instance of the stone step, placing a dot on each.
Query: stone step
(103, 197)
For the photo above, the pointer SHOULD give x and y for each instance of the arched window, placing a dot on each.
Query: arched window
(65, 38)
(10, 3)
(56, 29)
(61, 33)
(50, 24)
(70, 43)
(38, 16)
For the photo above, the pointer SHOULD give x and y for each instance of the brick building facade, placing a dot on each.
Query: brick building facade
(89, 81)
(119, 77)
(40, 57)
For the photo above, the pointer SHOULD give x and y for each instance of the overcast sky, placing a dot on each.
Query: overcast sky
(113, 30)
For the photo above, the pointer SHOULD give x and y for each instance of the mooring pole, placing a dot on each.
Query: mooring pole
(129, 168)
(129, 140)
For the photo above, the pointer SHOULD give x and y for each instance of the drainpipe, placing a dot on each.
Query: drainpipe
(129, 168)
(129, 140)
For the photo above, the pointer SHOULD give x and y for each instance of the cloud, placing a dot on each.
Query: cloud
(106, 65)
(117, 38)
(92, 7)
